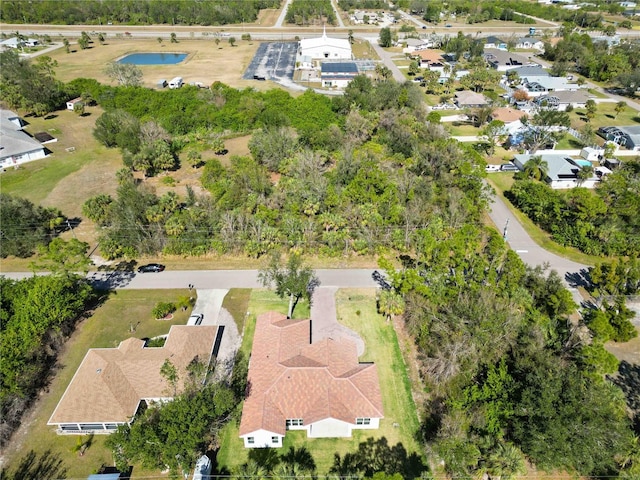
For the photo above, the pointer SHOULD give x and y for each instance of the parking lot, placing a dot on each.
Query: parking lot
(273, 61)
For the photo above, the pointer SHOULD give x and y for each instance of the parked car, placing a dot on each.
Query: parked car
(508, 167)
(151, 268)
(195, 319)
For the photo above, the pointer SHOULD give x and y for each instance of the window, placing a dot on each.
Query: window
(294, 422)
(275, 439)
(250, 440)
(363, 421)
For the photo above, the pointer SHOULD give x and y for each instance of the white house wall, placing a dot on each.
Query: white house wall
(262, 439)
(329, 428)
(23, 158)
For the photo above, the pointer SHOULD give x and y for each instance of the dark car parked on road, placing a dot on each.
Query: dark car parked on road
(151, 267)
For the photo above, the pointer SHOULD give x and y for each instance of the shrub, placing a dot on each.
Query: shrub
(162, 309)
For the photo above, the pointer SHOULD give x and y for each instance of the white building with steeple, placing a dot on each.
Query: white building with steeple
(324, 48)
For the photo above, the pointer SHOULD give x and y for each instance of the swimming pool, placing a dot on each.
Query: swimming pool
(153, 58)
(583, 163)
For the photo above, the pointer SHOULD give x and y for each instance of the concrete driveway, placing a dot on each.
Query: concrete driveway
(209, 303)
(324, 322)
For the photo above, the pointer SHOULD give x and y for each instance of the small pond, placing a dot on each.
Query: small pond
(153, 58)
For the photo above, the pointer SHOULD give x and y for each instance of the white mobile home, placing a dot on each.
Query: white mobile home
(175, 82)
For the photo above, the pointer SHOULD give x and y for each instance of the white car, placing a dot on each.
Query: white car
(195, 319)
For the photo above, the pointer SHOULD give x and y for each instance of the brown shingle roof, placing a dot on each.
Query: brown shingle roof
(110, 382)
(507, 115)
(303, 380)
(430, 55)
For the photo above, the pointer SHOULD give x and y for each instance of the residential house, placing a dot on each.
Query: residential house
(625, 136)
(495, 42)
(337, 74)
(529, 71)
(537, 86)
(431, 59)
(298, 385)
(14, 42)
(529, 43)
(112, 384)
(562, 170)
(502, 60)
(507, 115)
(562, 99)
(415, 44)
(469, 99)
(16, 147)
(360, 17)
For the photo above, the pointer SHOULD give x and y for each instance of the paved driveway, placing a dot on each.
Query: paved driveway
(324, 321)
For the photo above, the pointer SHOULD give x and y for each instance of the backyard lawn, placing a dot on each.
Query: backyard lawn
(605, 116)
(111, 323)
(357, 310)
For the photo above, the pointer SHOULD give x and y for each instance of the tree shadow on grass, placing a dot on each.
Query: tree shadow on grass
(43, 467)
(376, 455)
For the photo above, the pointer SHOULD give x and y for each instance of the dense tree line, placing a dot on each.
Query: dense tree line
(134, 12)
(36, 315)
(25, 226)
(606, 222)
(309, 12)
(594, 59)
(29, 85)
(348, 5)
(367, 184)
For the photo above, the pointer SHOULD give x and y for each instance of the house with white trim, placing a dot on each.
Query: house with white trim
(16, 147)
(295, 384)
(562, 170)
(112, 384)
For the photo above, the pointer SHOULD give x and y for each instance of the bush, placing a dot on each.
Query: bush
(162, 309)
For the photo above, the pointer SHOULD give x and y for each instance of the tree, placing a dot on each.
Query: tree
(159, 39)
(83, 42)
(414, 68)
(66, 44)
(545, 127)
(390, 303)
(592, 108)
(64, 257)
(126, 74)
(232, 41)
(584, 174)
(101, 38)
(24, 226)
(170, 374)
(295, 280)
(385, 39)
(620, 107)
(173, 38)
(536, 168)
(350, 37)
(78, 108)
(494, 132)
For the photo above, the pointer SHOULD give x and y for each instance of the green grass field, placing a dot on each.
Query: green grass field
(107, 327)
(357, 310)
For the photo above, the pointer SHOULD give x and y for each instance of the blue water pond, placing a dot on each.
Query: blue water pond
(153, 58)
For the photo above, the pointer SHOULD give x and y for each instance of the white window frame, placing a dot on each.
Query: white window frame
(251, 440)
(363, 421)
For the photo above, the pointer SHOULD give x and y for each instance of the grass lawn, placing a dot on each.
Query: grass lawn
(502, 182)
(363, 50)
(107, 327)
(357, 310)
(605, 116)
(569, 142)
(236, 302)
(459, 129)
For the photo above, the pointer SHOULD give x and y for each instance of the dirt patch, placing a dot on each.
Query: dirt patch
(207, 62)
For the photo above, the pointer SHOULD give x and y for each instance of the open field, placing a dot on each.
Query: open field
(206, 62)
(357, 310)
(107, 327)
(605, 116)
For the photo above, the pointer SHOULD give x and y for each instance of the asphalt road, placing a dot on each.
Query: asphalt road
(530, 252)
(212, 279)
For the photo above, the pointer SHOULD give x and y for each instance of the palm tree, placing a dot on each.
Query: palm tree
(350, 37)
(390, 303)
(505, 462)
(620, 106)
(585, 173)
(536, 168)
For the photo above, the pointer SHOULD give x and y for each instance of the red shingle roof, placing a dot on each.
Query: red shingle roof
(292, 378)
